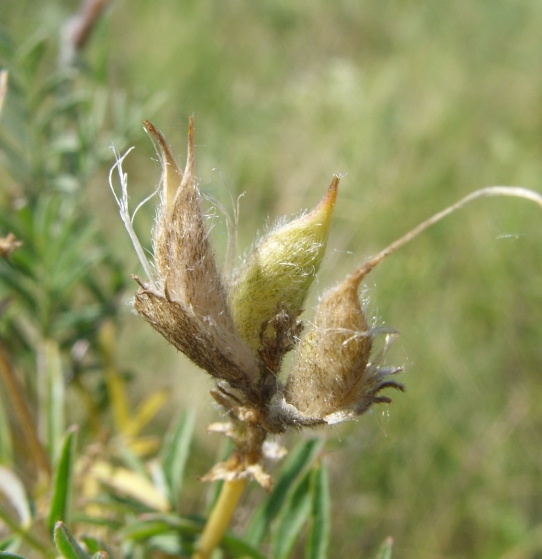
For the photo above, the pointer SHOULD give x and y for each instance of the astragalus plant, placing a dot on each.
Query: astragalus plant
(239, 328)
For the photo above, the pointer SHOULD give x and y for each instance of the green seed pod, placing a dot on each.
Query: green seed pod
(333, 379)
(277, 275)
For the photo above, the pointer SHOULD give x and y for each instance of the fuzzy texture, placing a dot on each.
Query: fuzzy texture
(279, 272)
(239, 331)
(332, 379)
(189, 308)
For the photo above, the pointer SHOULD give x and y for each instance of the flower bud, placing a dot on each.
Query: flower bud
(333, 378)
(277, 275)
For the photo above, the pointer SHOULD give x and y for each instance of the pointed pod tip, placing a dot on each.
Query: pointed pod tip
(155, 134)
(326, 205)
(159, 137)
(147, 125)
(331, 194)
(191, 157)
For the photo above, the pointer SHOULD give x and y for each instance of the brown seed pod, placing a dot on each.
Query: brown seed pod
(333, 378)
(189, 306)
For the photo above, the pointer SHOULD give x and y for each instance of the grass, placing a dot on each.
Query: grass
(417, 104)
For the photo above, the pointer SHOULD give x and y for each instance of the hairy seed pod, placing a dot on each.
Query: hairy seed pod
(333, 379)
(190, 310)
(277, 275)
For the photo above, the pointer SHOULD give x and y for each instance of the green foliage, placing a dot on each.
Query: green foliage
(62, 483)
(174, 454)
(291, 472)
(66, 544)
(385, 551)
(319, 535)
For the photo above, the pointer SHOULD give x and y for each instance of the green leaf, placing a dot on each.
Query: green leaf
(6, 449)
(52, 396)
(96, 547)
(62, 483)
(158, 524)
(12, 490)
(297, 462)
(66, 544)
(8, 555)
(155, 524)
(239, 548)
(318, 540)
(385, 549)
(174, 454)
(292, 518)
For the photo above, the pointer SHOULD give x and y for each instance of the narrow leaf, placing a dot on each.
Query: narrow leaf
(146, 411)
(12, 489)
(155, 525)
(132, 484)
(292, 518)
(51, 393)
(299, 459)
(95, 546)
(62, 482)
(318, 540)
(385, 549)
(175, 453)
(6, 449)
(66, 544)
(8, 555)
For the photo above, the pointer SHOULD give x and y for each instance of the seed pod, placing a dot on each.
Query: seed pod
(333, 379)
(183, 254)
(277, 275)
(190, 309)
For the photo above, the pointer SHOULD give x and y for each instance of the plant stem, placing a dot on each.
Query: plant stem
(220, 517)
(22, 411)
(513, 191)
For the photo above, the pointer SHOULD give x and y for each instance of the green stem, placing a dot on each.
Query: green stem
(220, 517)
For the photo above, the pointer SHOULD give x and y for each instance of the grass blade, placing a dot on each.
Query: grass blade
(62, 482)
(318, 540)
(298, 461)
(175, 453)
(52, 396)
(292, 518)
(154, 525)
(385, 549)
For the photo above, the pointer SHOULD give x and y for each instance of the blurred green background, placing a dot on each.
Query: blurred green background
(416, 104)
